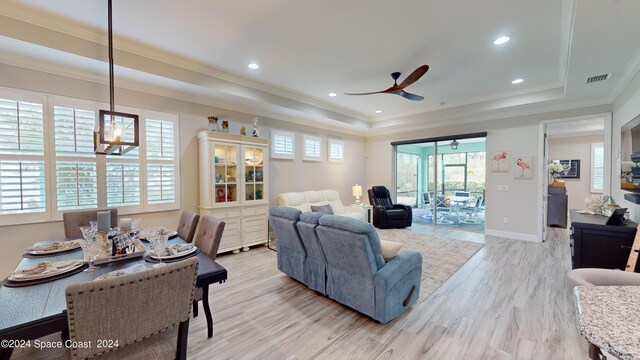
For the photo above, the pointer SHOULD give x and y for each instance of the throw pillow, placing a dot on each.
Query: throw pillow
(390, 249)
(325, 209)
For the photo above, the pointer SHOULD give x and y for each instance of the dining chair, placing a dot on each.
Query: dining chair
(127, 317)
(207, 240)
(187, 226)
(74, 219)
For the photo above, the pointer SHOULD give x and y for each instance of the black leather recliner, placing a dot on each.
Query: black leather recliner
(386, 215)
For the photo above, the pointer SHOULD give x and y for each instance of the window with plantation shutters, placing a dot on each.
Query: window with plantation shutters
(76, 172)
(161, 164)
(283, 144)
(76, 185)
(312, 148)
(74, 131)
(336, 150)
(22, 168)
(161, 183)
(597, 168)
(22, 187)
(48, 165)
(123, 184)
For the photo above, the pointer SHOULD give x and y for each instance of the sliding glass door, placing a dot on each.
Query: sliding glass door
(443, 181)
(408, 168)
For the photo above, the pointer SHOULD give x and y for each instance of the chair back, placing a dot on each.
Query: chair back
(354, 255)
(315, 266)
(129, 308)
(379, 195)
(187, 226)
(291, 253)
(209, 235)
(74, 219)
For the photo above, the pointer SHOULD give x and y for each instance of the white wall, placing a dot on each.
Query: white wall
(575, 148)
(625, 108)
(284, 175)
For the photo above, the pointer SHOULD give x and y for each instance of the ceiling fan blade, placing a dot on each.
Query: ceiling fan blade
(368, 93)
(414, 76)
(409, 96)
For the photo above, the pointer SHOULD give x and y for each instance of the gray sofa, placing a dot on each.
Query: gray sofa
(342, 258)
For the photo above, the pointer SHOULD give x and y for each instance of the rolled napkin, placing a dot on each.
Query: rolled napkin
(55, 246)
(177, 249)
(104, 220)
(45, 268)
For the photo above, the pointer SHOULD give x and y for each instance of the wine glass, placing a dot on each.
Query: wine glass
(90, 250)
(135, 225)
(159, 244)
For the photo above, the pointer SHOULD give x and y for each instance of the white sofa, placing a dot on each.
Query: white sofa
(303, 201)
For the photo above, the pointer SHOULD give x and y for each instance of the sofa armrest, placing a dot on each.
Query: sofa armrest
(355, 209)
(395, 269)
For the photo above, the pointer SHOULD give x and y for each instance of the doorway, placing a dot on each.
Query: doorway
(443, 180)
(578, 145)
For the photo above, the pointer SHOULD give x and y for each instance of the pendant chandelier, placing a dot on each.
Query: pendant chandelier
(454, 145)
(118, 133)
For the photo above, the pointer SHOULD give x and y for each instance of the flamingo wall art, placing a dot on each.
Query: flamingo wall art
(523, 167)
(500, 161)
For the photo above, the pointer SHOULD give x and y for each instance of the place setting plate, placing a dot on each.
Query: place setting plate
(44, 272)
(57, 247)
(144, 233)
(173, 253)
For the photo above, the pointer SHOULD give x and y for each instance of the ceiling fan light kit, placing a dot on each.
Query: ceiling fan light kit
(399, 89)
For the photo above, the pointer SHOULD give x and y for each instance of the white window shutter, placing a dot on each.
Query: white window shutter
(76, 185)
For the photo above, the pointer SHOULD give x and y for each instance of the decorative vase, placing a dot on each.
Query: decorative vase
(225, 126)
(255, 128)
(628, 177)
(213, 124)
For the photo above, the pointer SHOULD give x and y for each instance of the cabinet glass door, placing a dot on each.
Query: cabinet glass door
(254, 173)
(225, 173)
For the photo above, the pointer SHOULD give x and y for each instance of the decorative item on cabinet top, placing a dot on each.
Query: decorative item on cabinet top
(237, 138)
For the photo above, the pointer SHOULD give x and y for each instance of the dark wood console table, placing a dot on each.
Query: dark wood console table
(596, 245)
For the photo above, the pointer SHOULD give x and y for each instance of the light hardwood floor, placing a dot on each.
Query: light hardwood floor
(509, 301)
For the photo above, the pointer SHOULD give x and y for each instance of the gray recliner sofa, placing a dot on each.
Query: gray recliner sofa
(348, 257)
(291, 253)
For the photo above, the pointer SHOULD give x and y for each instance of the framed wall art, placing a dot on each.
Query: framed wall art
(523, 167)
(500, 161)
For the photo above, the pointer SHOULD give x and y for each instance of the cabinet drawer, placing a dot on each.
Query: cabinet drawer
(254, 224)
(254, 211)
(227, 214)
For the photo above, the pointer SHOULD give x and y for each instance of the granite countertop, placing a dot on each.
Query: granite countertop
(609, 317)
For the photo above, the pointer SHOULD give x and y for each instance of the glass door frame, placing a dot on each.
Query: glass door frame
(435, 141)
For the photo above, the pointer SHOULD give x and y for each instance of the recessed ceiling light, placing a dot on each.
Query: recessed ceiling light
(501, 40)
(333, 94)
(517, 81)
(378, 111)
(254, 66)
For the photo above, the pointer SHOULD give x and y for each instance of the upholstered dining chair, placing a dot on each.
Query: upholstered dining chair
(138, 311)
(187, 226)
(74, 219)
(207, 240)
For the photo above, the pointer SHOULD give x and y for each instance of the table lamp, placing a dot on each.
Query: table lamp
(357, 192)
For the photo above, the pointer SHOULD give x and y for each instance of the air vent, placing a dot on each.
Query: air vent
(597, 78)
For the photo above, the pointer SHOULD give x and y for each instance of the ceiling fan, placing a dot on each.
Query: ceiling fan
(399, 89)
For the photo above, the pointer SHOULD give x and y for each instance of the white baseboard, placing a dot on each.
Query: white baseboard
(512, 235)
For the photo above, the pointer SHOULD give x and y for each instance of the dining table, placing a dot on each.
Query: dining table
(31, 312)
